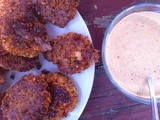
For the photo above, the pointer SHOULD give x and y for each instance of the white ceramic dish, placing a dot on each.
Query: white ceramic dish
(82, 81)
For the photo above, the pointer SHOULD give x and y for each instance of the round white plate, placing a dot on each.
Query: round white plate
(82, 81)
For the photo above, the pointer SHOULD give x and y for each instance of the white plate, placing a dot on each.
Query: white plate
(82, 81)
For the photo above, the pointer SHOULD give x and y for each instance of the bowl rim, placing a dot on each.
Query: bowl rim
(117, 18)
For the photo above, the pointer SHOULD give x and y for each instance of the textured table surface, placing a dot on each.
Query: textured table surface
(106, 102)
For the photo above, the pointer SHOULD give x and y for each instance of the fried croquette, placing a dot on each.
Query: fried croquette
(13, 62)
(27, 99)
(46, 97)
(22, 34)
(24, 39)
(58, 12)
(64, 96)
(72, 53)
(17, 9)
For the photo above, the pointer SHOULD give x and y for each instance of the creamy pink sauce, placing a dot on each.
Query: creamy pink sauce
(133, 52)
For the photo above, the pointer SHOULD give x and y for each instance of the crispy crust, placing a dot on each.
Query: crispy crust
(48, 97)
(19, 9)
(1, 116)
(1, 79)
(72, 53)
(1, 98)
(2, 71)
(27, 99)
(59, 12)
(12, 62)
(24, 39)
(64, 96)
(23, 34)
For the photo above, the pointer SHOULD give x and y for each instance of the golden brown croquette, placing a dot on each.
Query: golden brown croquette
(58, 12)
(72, 53)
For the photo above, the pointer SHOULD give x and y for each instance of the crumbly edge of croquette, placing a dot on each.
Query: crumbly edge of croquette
(25, 20)
(55, 17)
(30, 53)
(56, 56)
(9, 61)
(59, 80)
(64, 82)
(59, 109)
(30, 48)
(30, 80)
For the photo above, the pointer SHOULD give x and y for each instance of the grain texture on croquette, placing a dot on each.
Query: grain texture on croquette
(64, 96)
(9, 61)
(47, 96)
(1, 98)
(22, 34)
(58, 12)
(2, 80)
(27, 99)
(72, 53)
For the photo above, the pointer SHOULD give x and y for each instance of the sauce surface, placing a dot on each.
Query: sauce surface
(133, 52)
